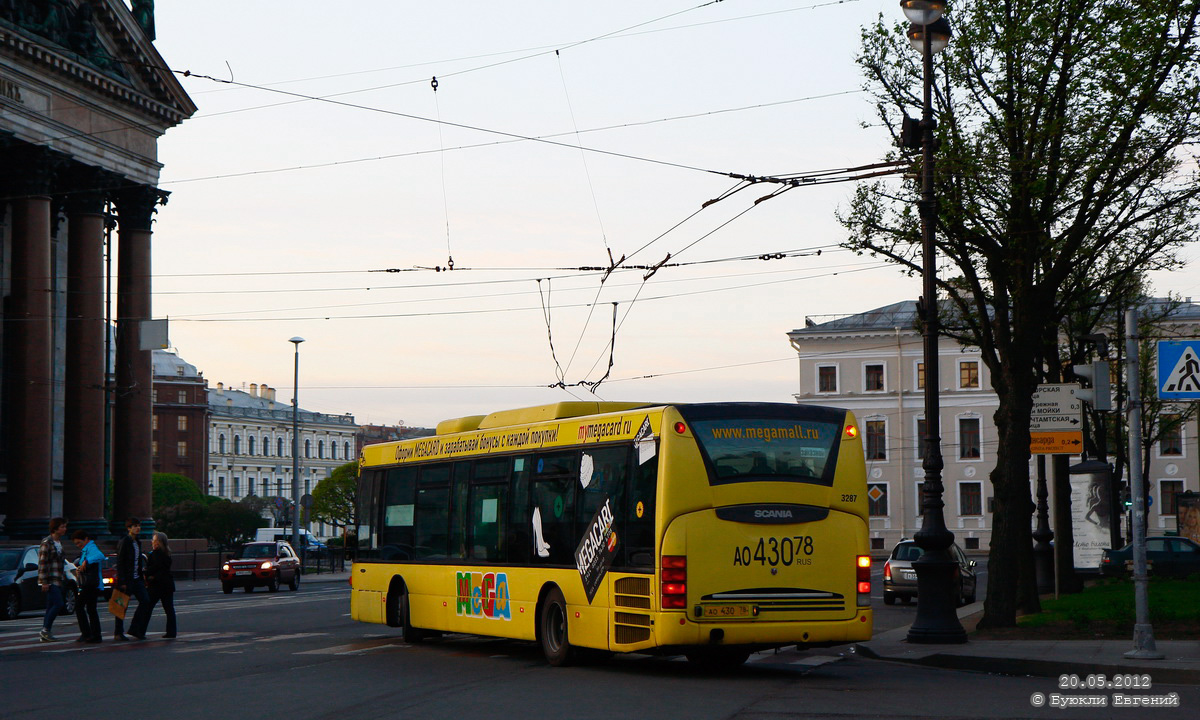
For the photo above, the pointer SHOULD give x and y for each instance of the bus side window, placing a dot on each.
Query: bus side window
(607, 479)
(488, 509)
(555, 477)
(458, 510)
(369, 524)
(520, 533)
(399, 506)
(639, 515)
(433, 512)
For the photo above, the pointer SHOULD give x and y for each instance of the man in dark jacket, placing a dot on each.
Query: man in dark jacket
(129, 570)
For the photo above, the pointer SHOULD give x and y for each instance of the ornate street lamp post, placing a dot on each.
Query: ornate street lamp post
(296, 444)
(936, 621)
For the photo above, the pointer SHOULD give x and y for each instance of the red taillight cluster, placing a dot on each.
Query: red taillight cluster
(674, 582)
(887, 570)
(862, 577)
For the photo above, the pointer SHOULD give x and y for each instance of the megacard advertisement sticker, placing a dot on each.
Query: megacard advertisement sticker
(596, 551)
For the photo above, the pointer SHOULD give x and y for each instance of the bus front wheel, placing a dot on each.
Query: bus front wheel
(552, 626)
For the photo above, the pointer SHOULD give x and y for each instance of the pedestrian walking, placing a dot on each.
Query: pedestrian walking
(130, 578)
(50, 575)
(161, 588)
(90, 583)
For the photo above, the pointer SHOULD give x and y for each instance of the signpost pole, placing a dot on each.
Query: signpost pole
(1143, 633)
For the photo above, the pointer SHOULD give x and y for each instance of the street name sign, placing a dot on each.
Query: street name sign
(1179, 369)
(1055, 427)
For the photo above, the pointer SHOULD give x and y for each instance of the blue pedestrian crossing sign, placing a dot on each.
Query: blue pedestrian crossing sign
(1179, 369)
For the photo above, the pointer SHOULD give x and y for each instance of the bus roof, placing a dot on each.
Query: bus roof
(536, 414)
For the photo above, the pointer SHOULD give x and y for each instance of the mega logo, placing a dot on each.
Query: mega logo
(483, 595)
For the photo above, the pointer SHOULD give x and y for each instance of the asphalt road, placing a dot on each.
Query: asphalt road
(298, 655)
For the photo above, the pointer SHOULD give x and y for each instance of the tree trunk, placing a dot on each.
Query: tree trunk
(1011, 552)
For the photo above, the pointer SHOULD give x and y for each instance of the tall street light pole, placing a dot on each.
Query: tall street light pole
(296, 444)
(936, 621)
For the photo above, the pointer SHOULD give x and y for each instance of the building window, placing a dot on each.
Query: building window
(279, 447)
(873, 378)
(1170, 443)
(154, 448)
(249, 486)
(971, 543)
(266, 446)
(920, 376)
(919, 499)
(827, 378)
(220, 487)
(308, 448)
(181, 449)
(237, 487)
(250, 445)
(266, 483)
(877, 499)
(221, 444)
(346, 448)
(237, 444)
(182, 396)
(279, 487)
(920, 437)
(1167, 490)
(968, 375)
(306, 485)
(968, 439)
(876, 440)
(970, 498)
(181, 423)
(333, 450)
(154, 421)
(321, 449)
(153, 396)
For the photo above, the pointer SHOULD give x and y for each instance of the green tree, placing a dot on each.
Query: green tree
(335, 497)
(232, 523)
(170, 489)
(188, 519)
(1063, 170)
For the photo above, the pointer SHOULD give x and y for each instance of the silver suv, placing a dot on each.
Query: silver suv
(900, 580)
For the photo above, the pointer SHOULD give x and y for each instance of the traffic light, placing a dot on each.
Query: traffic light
(1126, 500)
(1099, 395)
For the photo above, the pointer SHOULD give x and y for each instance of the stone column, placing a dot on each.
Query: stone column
(29, 344)
(132, 462)
(83, 462)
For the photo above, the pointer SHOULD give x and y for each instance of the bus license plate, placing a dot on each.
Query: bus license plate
(726, 611)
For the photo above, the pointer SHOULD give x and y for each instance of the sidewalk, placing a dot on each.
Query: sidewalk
(1042, 658)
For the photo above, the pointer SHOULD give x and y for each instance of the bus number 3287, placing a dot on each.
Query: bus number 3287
(773, 551)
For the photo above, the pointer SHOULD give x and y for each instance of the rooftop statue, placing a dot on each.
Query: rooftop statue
(143, 13)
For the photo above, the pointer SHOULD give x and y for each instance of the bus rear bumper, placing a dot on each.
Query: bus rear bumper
(677, 630)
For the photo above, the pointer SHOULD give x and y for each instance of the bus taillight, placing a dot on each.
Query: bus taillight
(862, 577)
(674, 582)
(851, 431)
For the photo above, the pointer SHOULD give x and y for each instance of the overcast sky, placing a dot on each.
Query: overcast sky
(287, 213)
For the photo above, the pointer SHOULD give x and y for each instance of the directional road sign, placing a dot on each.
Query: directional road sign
(1055, 427)
(1179, 369)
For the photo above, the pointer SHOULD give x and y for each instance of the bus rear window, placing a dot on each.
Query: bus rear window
(773, 449)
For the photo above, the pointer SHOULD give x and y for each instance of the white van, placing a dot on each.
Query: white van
(279, 533)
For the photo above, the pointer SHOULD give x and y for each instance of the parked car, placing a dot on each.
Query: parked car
(108, 575)
(19, 588)
(1166, 556)
(261, 564)
(900, 579)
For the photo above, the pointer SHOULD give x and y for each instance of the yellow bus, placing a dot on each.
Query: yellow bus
(711, 529)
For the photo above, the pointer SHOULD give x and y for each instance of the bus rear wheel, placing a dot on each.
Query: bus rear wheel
(552, 630)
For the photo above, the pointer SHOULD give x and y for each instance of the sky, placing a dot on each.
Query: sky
(559, 135)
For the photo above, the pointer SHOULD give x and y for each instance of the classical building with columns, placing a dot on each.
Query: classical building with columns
(84, 97)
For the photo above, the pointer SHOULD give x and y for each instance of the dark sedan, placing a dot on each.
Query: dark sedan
(19, 588)
(1166, 556)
